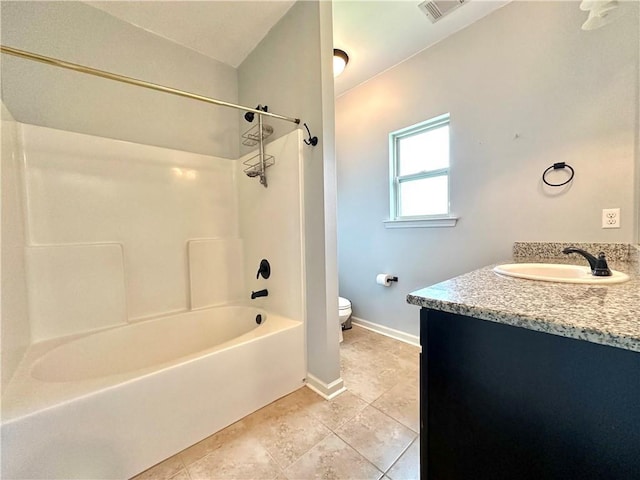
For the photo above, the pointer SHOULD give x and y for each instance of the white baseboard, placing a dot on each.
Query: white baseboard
(327, 391)
(389, 332)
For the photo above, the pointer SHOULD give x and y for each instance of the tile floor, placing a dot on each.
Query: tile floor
(368, 432)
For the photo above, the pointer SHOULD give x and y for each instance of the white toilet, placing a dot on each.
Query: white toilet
(344, 312)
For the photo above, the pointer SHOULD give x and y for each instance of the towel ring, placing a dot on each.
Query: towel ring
(558, 166)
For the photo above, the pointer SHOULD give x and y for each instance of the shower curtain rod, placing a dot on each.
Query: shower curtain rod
(133, 81)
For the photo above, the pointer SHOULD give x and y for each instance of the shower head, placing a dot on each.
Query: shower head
(252, 173)
(249, 116)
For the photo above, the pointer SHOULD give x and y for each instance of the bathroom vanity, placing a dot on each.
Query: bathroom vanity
(523, 379)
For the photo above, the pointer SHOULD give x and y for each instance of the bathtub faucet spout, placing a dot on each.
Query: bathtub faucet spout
(259, 293)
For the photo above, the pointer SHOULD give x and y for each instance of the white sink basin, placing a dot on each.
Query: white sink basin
(551, 272)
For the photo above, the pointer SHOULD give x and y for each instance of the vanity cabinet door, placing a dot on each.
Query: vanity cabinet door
(423, 397)
(503, 402)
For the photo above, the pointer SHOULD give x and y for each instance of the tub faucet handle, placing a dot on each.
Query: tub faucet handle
(264, 269)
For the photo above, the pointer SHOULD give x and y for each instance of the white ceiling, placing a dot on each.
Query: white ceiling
(376, 34)
(380, 34)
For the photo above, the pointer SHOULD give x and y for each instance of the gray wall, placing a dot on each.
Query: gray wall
(290, 71)
(526, 87)
(47, 96)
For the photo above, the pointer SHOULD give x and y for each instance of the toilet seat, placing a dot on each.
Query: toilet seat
(344, 313)
(343, 303)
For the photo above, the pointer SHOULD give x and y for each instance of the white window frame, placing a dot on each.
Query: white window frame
(395, 220)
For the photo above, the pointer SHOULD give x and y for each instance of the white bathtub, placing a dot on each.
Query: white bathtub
(113, 403)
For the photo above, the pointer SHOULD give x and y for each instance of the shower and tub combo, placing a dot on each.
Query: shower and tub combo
(113, 403)
(150, 329)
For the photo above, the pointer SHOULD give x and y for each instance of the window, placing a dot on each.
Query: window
(419, 175)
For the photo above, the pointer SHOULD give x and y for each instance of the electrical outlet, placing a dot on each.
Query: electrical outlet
(610, 218)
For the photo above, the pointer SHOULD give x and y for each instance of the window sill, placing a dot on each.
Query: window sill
(435, 222)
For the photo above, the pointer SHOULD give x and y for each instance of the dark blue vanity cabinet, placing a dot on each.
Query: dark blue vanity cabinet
(503, 402)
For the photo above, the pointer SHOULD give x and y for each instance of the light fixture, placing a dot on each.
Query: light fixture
(599, 13)
(340, 60)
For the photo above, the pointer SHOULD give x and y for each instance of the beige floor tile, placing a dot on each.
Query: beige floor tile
(402, 403)
(370, 345)
(197, 451)
(163, 470)
(409, 373)
(281, 408)
(243, 458)
(361, 384)
(332, 459)
(336, 412)
(355, 334)
(294, 404)
(377, 340)
(382, 346)
(377, 353)
(181, 475)
(408, 466)
(230, 434)
(407, 352)
(379, 438)
(300, 399)
(369, 377)
(287, 431)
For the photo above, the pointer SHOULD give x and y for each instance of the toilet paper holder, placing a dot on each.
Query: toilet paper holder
(385, 279)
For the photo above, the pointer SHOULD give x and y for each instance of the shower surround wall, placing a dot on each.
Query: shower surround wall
(271, 221)
(109, 226)
(15, 334)
(120, 232)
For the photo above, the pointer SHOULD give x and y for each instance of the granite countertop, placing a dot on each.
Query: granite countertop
(604, 314)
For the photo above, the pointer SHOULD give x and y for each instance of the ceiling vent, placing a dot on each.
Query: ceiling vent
(436, 9)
